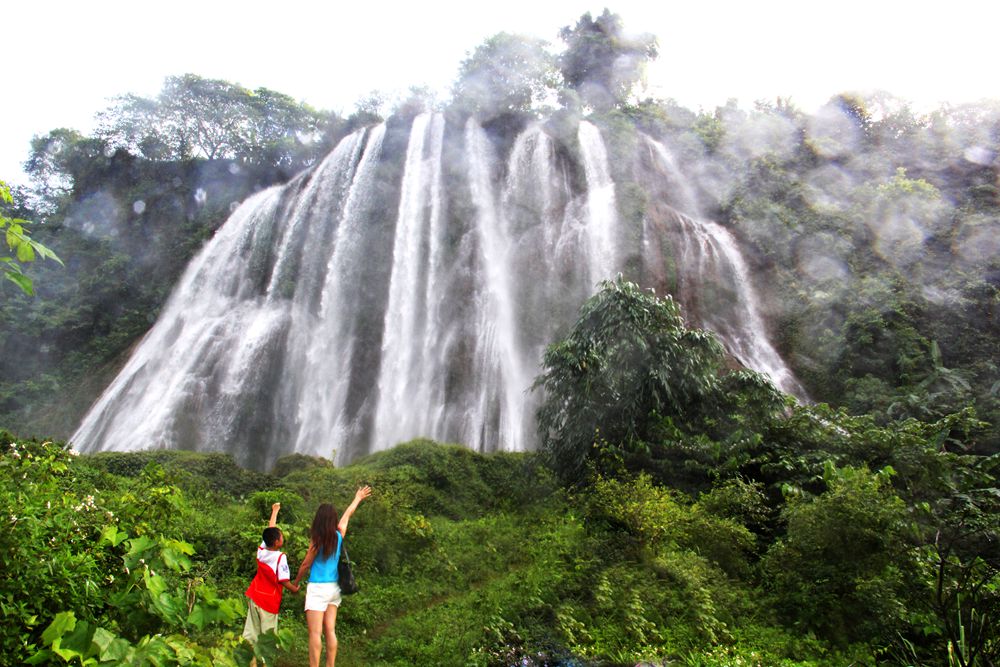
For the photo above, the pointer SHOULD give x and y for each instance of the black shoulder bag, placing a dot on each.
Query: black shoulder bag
(345, 578)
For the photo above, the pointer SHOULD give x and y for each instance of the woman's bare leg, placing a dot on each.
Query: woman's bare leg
(330, 628)
(314, 621)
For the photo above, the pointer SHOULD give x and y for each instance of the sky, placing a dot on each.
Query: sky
(66, 59)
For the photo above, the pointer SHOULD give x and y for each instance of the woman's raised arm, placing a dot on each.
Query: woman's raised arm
(345, 518)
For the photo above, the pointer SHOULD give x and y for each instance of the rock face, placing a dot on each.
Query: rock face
(407, 286)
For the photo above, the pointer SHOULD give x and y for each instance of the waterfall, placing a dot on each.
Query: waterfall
(501, 413)
(323, 339)
(601, 206)
(411, 381)
(405, 287)
(683, 196)
(714, 281)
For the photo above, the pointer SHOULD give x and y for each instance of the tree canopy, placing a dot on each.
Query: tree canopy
(507, 74)
(603, 63)
(627, 364)
(214, 119)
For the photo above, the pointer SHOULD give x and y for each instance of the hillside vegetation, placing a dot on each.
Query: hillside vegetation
(698, 520)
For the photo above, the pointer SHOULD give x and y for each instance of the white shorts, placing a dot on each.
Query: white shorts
(321, 596)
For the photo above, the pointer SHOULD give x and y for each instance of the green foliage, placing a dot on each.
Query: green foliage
(114, 586)
(213, 474)
(57, 159)
(627, 357)
(23, 249)
(506, 74)
(150, 553)
(838, 570)
(601, 62)
(959, 534)
(213, 119)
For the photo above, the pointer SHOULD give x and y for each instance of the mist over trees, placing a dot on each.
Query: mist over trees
(602, 63)
(861, 523)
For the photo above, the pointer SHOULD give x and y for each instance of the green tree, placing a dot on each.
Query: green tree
(58, 161)
(958, 532)
(840, 568)
(194, 117)
(602, 63)
(628, 362)
(506, 74)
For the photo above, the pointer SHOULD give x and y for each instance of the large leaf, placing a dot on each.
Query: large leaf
(64, 622)
(103, 640)
(156, 584)
(76, 644)
(43, 657)
(14, 235)
(25, 253)
(45, 252)
(139, 548)
(175, 554)
(112, 535)
(21, 280)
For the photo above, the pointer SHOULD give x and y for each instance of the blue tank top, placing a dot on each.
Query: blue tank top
(324, 570)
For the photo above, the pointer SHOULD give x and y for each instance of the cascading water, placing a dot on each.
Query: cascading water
(323, 340)
(713, 280)
(601, 217)
(500, 415)
(417, 336)
(406, 287)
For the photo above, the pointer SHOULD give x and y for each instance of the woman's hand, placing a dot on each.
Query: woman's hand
(345, 518)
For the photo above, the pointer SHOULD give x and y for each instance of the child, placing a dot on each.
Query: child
(265, 589)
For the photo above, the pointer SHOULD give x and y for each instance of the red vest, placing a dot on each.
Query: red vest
(265, 589)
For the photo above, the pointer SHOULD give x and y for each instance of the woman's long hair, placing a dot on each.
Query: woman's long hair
(324, 529)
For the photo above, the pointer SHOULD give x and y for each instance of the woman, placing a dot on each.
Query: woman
(326, 538)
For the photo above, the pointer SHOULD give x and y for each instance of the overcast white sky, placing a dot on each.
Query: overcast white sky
(65, 59)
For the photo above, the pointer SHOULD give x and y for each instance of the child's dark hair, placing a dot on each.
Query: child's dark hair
(271, 536)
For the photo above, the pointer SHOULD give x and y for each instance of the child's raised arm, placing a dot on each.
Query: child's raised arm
(274, 515)
(345, 518)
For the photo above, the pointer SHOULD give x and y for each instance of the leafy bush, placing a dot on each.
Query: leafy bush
(112, 584)
(840, 569)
